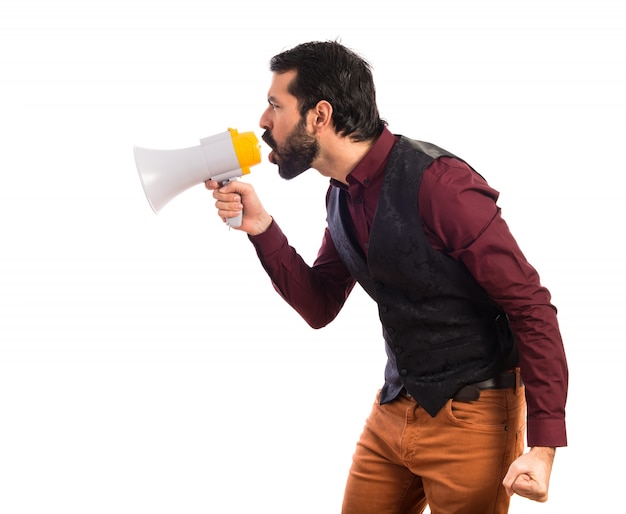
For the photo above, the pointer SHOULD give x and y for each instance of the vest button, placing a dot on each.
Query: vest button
(398, 349)
(383, 308)
(404, 372)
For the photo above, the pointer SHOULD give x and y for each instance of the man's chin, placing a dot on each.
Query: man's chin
(289, 174)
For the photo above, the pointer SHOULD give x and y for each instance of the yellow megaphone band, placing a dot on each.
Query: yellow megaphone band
(247, 149)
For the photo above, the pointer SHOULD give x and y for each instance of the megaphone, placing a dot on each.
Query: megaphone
(223, 157)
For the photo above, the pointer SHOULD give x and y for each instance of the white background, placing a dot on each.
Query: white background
(147, 365)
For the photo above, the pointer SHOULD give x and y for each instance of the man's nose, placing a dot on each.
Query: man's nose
(265, 122)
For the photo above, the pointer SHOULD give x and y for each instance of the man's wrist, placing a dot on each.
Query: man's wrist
(545, 450)
(263, 226)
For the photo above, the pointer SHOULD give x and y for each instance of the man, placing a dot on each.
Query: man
(472, 339)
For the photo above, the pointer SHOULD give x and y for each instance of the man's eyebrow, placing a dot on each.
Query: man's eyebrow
(271, 99)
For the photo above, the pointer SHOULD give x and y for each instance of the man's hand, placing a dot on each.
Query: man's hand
(236, 196)
(529, 475)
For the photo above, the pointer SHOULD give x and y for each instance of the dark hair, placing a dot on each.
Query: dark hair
(330, 71)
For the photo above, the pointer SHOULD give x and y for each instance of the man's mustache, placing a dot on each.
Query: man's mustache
(269, 139)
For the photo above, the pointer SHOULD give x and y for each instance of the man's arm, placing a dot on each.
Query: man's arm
(462, 219)
(316, 292)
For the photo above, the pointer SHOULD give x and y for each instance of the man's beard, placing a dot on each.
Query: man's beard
(298, 152)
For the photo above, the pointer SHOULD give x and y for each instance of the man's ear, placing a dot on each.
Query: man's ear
(321, 115)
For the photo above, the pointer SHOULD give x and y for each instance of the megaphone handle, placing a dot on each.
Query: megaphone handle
(235, 221)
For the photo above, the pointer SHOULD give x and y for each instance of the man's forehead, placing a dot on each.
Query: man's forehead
(280, 83)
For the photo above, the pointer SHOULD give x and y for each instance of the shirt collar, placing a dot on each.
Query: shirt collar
(373, 163)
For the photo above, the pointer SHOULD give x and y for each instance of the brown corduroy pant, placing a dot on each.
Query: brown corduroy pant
(454, 462)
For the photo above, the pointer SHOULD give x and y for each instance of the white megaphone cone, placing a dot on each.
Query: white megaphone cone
(165, 174)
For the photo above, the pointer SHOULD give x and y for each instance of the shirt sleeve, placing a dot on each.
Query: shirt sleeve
(316, 292)
(461, 217)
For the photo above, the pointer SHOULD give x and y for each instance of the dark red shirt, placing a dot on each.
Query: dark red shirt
(461, 218)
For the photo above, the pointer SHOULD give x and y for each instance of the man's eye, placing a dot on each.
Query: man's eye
(274, 106)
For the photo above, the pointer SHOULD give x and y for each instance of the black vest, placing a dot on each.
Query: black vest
(441, 329)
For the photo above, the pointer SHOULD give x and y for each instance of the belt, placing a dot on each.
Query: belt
(471, 392)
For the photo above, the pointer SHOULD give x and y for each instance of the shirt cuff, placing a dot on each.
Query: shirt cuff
(546, 432)
(269, 241)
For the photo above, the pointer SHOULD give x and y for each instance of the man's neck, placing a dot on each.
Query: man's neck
(339, 157)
